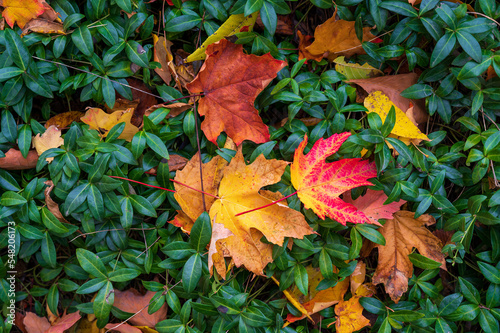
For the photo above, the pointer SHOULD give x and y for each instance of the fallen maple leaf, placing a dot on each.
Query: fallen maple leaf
(64, 323)
(50, 139)
(64, 119)
(134, 302)
(392, 86)
(319, 184)
(315, 300)
(304, 42)
(216, 249)
(230, 81)
(99, 120)
(402, 234)
(21, 11)
(404, 128)
(338, 37)
(14, 160)
(372, 205)
(35, 324)
(350, 316)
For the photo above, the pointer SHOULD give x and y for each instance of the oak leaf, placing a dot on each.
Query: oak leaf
(403, 233)
(64, 119)
(392, 86)
(404, 129)
(21, 11)
(315, 300)
(372, 205)
(50, 139)
(134, 302)
(338, 37)
(319, 184)
(99, 120)
(230, 81)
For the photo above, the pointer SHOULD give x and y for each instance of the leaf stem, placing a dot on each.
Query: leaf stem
(135, 181)
(269, 204)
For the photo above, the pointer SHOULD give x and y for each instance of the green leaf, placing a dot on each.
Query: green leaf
(417, 91)
(492, 142)
(325, 264)
(370, 233)
(201, 233)
(399, 7)
(136, 53)
(8, 125)
(104, 301)
(17, 50)
(182, 23)
(155, 143)
(95, 202)
(9, 72)
(169, 326)
(191, 273)
(29, 231)
(11, 198)
(423, 262)
(487, 322)
(269, 17)
(491, 273)
(51, 222)
(75, 198)
(253, 6)
(301, 278)
(405, 315)
(449, 304)
(24, 139)
(469, 44)
(49, 251)
(142, 206)
(372, 305)
(108, 91)
(469, 291)
(53, 298)
(91, 286)
(83, 40)
(124, 274)
(443, 48)
(91, 263)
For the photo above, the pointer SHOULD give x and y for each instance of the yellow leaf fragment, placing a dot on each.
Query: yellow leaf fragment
(50, 139)
(381, 104)
(234, 24)
(99, 120)
(355, 71)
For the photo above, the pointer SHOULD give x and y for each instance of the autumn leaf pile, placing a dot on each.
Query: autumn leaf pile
(249, 166)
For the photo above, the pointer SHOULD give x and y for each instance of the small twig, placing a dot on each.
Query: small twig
(140, 254)
(483, 15)
(270, 204)
(98, 231)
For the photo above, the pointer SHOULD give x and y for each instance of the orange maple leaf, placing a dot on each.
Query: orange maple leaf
(230, 81)
(319, 184)
(237, 187)
(372, 205)
(350, 316)
(21, 11)
(338, 37)
(402, 234)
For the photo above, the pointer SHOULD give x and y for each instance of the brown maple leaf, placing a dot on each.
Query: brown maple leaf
(230, 81)
(134, 302)
(402, 234)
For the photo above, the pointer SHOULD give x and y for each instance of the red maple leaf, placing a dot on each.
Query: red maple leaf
(230, 81)
(319, 184)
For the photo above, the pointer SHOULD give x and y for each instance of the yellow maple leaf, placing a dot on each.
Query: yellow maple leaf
(50, 139)
(21, 11)
(103, 122)
(404, 128)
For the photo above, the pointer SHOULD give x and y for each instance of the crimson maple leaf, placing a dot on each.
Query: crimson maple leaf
(319, 184)
(230, 81)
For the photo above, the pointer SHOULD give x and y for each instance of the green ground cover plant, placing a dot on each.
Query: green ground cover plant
(113, 234)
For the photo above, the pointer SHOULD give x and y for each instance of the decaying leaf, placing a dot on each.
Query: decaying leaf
(234, 24)
(50, 139)
(355, 71)
(315, 300)
(319, 184)
(392, 86)
(216, 250)
(134, 302)
(35, 324)
(99, 120)
(43, 26)
(21, 11)
(163, 55)
(14, 160)
(336, 38)
(142, 94)
(122, 104)
(64, 119)
(402, 234)
(404, 128)
(372, 205)
(230, 81)
(51, 204)
(175, 108)
(64, 323)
